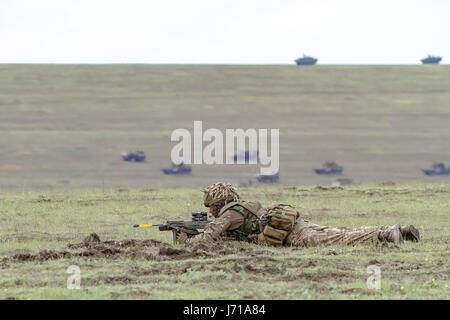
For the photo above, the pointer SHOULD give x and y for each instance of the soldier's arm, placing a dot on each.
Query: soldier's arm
(213, 230)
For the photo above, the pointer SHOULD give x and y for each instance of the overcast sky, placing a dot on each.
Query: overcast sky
(223, 31)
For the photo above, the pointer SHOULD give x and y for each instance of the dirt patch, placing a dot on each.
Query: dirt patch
(151, 249)
(91, 239)
(235, 256)
(138, 271)
(117, 280)
(176, 253)
(41, 255)
(4, 264)
(93, 247)
(170, 251)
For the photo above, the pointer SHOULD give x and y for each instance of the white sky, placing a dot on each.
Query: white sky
(223, 31)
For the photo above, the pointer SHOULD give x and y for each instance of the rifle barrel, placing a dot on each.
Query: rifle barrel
(145, 225)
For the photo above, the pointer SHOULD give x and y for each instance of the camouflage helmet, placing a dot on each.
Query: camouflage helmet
(219, 192)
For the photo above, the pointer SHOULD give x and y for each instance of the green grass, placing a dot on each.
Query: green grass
(35, 221)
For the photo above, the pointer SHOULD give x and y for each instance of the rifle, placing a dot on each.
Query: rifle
(199, 221)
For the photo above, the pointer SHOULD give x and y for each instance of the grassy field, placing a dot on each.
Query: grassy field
(64, 126)
(41, 235)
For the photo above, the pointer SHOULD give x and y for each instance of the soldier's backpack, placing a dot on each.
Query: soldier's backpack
(281, 221)
(250, 212)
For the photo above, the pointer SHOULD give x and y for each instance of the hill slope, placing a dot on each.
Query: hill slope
(65, 125)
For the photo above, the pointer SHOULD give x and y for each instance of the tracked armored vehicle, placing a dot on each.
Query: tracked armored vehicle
(305, 61)
(437, 169)
(271, 178)
(330, 168)
(138, 156)
(246, 155)
(177, 169)
(431, 60)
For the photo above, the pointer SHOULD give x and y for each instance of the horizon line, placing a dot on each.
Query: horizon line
(216, 64)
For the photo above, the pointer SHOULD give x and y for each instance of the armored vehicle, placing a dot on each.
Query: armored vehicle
(127, 156)
(138, 156)
(178, 169)
(438, 169)
(330, 168)
(271, 178)
(246, 155)
(431, 60)
(305, 61)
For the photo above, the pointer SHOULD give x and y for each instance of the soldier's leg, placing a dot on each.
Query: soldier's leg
(309, 234)
(397, 234)
(410, 233)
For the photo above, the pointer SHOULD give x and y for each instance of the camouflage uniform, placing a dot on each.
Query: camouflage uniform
(304, 233)
(233, 221)
(236, 220)
(310, 234)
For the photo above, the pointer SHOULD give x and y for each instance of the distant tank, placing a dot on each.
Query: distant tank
(431, 60)
(127, 156)
(270, 178)
(138, 156)
(330, 168)
(305, 61)
(438, 169)
(246, 155)
(178, 169)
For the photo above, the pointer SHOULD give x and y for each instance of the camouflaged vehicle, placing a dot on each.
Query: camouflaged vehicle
(329, 168)
(306, 61)
(271, 178)
(246, 155)
(437, 169)
(431, 59)
(177, 169)
(138, 156)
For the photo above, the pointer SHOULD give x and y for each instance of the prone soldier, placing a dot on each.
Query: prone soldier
(241, 220)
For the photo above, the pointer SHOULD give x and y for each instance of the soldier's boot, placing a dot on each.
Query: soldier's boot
(410, 233)
(391, 234)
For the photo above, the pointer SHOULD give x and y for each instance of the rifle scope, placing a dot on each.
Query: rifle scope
(199, 216)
